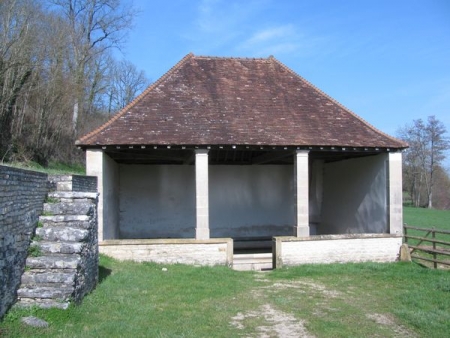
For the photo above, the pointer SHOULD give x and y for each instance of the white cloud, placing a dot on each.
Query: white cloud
(281, 39)
(219, 24)
(271, 34)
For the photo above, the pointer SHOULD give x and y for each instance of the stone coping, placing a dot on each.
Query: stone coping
(162, 241)
(333, 237)
(73, 194)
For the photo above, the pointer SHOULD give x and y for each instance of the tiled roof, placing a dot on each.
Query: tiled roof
(239, 101)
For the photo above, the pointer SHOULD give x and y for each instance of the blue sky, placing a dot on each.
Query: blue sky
(387, 61)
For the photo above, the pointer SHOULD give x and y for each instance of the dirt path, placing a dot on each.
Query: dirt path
(272, 322)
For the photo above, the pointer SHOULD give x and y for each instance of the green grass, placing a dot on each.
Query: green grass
(427, 218)
(337, 300)
(54, 168)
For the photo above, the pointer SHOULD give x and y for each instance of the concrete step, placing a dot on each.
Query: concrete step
(59, 261)
(62, 233)
(255, 262)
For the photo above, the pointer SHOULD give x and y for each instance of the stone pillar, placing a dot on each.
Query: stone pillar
(395, 194)
(107, 171)
(201, 194)
(301, 181)
(94, 167)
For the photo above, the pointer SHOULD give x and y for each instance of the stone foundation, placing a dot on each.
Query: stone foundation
(215, 251)
(290, 251)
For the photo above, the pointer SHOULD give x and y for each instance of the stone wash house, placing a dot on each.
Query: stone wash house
(223, 154)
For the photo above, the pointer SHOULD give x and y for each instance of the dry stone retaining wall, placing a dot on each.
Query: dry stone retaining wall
(22, 194)
(65, 240)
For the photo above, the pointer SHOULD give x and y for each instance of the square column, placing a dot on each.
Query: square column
(107, 171)
(395, 198)
(301, 181)
(201, 194)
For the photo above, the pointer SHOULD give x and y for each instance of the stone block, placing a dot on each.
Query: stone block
(65, 234)
(33, 278)
(54, 262)
(69, 208)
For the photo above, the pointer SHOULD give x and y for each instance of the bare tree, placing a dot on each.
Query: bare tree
(17, 23)
(428, 144)
(55, 72)
(125, 83)
(94, 27)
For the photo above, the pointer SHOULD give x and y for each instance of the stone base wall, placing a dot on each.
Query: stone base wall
(290, 251)
(216, 251)
(22, 194)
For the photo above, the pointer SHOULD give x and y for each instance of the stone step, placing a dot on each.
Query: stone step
(78, 222)
(255, 262)
(69, 208)
(47, 247)
(62, 292)
(31, 277)
(59, 233)
(53, 262)
(43, 303)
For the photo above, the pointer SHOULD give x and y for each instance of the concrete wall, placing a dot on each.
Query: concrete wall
(22, 194)
(186, 251)
(355, 196)
(249, 201)
(158, 201)
(107, 171)
(291, 251)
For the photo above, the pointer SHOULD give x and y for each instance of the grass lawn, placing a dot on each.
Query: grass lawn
(426, 218)
(336, 300)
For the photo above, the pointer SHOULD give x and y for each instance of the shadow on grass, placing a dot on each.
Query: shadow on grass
(103, 273)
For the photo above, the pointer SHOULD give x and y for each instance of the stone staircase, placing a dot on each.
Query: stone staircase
(252, 261)
(62, 265)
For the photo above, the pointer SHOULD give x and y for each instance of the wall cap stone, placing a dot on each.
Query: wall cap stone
(73, 194)
(333, 237)
(162, 241)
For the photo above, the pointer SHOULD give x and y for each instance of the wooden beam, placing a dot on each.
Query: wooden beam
(271, 156)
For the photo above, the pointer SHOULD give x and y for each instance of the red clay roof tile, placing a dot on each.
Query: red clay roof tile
(222, 101)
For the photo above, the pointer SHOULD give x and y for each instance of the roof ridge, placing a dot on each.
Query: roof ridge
(232, 57)
(130, 105)
(273, 59)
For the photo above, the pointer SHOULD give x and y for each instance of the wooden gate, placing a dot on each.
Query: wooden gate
(428, 244)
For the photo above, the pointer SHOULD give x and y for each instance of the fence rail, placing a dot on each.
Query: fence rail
(432, 252)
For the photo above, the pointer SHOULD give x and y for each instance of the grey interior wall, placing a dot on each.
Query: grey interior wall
(250, 201)
(110, 198)
(157, 201)
(354, 196)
